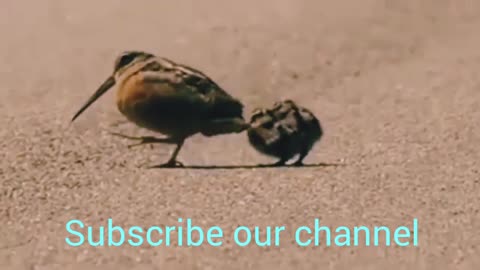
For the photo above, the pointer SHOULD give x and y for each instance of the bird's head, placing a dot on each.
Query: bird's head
(122, 63)
(263, 130)
(128, 59)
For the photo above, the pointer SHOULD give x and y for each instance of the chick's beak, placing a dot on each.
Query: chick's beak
(101, 90)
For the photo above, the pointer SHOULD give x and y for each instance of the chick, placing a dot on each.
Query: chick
(284, 131)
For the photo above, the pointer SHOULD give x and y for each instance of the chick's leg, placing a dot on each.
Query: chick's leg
(279, 163)
(302, 156)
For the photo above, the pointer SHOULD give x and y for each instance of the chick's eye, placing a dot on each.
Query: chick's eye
(268, 125)
(255, 117)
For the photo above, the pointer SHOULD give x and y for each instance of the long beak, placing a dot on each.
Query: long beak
(101, 90)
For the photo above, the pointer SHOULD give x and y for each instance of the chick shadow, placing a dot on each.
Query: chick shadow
(258, 166)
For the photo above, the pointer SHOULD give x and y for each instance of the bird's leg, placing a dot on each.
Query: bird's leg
(172, 162)
(302, 156)
(279, 163)
(145, 139)
(224, 126)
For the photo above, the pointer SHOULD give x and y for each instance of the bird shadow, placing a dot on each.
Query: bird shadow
(258, 166)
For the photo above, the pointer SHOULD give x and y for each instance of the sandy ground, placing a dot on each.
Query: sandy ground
(395, 84)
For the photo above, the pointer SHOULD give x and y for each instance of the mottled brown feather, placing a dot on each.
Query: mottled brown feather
(162, 95)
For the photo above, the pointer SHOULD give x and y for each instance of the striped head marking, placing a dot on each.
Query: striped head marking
(257, 113)
(128, 58)
(286, 102)
(261, 118)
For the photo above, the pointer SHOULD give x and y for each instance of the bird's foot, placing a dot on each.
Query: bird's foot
(150, 140)
(301, 157)
(143, 139)
(298, 163)
(279, 163)
(169, 164)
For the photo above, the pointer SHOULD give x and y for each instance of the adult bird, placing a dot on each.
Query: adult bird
(170, 98)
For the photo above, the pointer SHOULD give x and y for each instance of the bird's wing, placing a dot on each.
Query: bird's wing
(221, 103)
(192, 86)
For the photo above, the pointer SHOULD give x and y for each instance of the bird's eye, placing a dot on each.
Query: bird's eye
(268, 125)
(254, 117)
(124, 60)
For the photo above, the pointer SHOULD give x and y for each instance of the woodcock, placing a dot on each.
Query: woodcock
(284, 131)
(173, 99)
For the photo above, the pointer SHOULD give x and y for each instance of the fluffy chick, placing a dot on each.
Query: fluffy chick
(284, 131)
